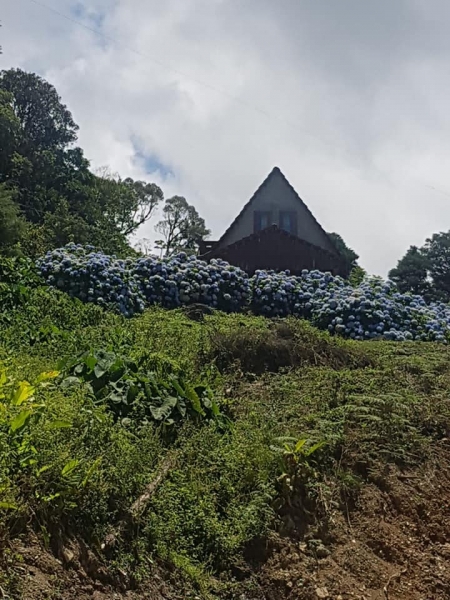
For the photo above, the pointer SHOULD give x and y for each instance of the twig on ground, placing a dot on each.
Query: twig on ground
(391, 579)
(139, 505)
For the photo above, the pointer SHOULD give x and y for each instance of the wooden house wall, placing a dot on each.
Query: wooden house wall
(278, 252)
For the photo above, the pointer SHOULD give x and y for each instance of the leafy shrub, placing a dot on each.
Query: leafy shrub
(183, 280)
(17, 277)
(218, 499)
(160, 395)
(129, 284)
(23, 410)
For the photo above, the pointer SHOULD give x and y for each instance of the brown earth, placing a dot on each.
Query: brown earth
(393, 544)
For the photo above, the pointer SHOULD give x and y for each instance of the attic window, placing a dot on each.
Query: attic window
(262, 219)
(288, 221)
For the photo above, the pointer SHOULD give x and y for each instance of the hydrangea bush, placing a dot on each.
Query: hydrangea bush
(183, 280)
(374, 309)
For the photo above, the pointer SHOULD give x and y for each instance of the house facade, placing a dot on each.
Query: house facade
(275, 230)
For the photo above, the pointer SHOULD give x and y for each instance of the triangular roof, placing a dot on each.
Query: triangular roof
(276, 172)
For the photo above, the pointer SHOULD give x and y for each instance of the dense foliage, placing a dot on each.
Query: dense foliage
(48, 194)
(140, 392)
(370, 310)
(348, 254)
(426, 270)
(12, 224)
(130, 285)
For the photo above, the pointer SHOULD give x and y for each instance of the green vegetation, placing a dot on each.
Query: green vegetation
(249, 426)
(426, 270)
(50, 197)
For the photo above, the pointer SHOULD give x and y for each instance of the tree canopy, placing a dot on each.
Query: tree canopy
(349, 255)
(45, 122)
(182, 227)
(12, 224)
(50, 196)
(426, 270)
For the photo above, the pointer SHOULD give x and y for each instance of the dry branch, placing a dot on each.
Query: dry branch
(140, 505)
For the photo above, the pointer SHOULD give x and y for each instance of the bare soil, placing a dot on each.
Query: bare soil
(393, 544)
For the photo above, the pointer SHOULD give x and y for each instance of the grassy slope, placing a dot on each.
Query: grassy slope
(374, 404)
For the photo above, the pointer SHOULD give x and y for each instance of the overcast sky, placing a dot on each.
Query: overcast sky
(349, 98)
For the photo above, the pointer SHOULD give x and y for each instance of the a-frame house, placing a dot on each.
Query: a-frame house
(275, 230)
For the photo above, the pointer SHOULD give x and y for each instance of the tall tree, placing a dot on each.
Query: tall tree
(128, 203)
(45, 121)
(411, 272)
(55, 190)
(182, 227)
(437, 253)
(9, 132)
(426, 270)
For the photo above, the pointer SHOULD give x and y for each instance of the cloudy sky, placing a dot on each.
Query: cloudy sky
(349, 98)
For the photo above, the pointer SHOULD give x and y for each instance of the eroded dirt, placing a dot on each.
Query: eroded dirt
(394, 544)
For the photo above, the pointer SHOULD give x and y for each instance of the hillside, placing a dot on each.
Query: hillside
(187, 455)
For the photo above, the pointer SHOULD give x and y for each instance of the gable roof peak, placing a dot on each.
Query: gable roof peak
(277, 171)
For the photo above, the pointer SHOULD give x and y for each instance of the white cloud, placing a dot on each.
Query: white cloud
(349, 99)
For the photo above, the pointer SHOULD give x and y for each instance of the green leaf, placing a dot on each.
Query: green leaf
(59, 424)
(299, 445)
(192, 395)
(70, 382)
(105, 360)
(91, 471)
(43, 469)
(215, 408)
(177, 386)
(51, 497)
(181, 406)
(315, 447)
(46, 376)
(90, 361)
(7, 506)
(70, 467)
(78, 370)
(161, 413)
(24, 392)
(20, 420)
(100, 370)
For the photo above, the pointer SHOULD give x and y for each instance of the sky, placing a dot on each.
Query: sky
(349, 99)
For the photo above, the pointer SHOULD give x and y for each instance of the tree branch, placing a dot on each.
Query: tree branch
(140, 505)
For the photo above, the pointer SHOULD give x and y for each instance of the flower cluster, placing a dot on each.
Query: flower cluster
(130, 285)
(182, 280)
(93, 277)
(374, 309)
